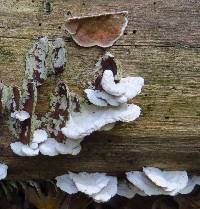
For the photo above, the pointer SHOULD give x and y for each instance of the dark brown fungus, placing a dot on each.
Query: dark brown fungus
(97, 30)
(107, 62)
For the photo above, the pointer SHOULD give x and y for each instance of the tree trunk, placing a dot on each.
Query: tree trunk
(161, 44)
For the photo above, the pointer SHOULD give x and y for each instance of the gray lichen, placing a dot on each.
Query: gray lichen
(70, 118)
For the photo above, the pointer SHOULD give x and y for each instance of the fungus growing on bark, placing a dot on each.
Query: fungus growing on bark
(124, 189)
(60, 108)
(153, 181)
(3, 171)
(169, 180)
(59, 111)
(102, 188)
(192, 182)
(128, 190)
(89, 183)
(35, 75)
(21, 115)
(91, 118)
(107, 192)
(109, 89)
(99, 186)
(66, 184)
(139, 180)
(64, 126)
(97, 30)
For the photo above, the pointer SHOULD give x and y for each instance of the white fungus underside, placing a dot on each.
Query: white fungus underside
(23, 150)
(192, 182)
(102, 188)
(52, 148)
(3, 171)
(125, 189)
(129, 86)
(66, 184)
(140, 180)
(168, 180)
(108, 191)
(20, 115)
(93, 118)
(39, 136)
(89, 183)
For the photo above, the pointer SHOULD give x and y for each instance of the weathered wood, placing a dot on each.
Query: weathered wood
(161, 44)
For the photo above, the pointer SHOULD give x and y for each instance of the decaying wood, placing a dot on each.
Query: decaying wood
(161, 44)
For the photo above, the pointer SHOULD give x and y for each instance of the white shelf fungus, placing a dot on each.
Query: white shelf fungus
(115, 94)
(66, 184)
(102, 188)
(168, 180)
(39, 136)
(107, 192)
(99, 186)
(68, 121)
(125, 189)
(23, 150)
(128, 190)
(153, 181)
(109, 88)
(89, 183)
(31, 149)
(3, 171)
(92, 118)
(192, 182)
(51, 147)
(20, 115)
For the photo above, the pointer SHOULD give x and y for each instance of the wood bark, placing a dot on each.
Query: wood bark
(161, 44)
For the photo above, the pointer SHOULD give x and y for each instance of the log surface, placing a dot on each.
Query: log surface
(161, 44)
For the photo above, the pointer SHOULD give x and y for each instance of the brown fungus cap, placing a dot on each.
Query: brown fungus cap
(97, 30)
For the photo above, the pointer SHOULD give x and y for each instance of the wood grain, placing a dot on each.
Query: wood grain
(161, 44)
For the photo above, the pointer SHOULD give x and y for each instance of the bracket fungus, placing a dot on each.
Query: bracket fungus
(192, 182)
(26, 125)
(125, 189)
(109, 88)
(153, 181)
(169, 180)
(70, 118)
(99, 186)
(3, 171)
(92, 118)
(102, 187)
(97, 30)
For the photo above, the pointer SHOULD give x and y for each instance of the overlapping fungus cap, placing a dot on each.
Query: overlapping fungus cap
(97, 30)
